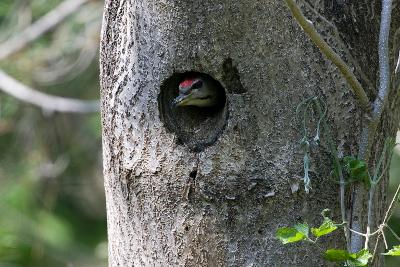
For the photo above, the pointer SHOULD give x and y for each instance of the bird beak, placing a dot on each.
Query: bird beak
(181, 100)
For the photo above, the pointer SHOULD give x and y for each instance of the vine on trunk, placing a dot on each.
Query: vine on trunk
(346, 171)
(372, 117)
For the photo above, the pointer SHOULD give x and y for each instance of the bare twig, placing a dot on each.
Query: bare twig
(47, 102)
(370, 234)
(376, 246)
(356, 232)
(67, 71)
(393, 232)
(384, 240)
(389, 213)
(40, 27)
(330, 54)
(369, 214)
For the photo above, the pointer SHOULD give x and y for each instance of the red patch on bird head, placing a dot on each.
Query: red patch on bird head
(187, 82)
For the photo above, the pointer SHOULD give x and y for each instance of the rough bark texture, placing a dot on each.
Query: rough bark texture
(220, 205)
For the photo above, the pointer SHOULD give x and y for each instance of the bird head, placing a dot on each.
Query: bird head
(195, 91)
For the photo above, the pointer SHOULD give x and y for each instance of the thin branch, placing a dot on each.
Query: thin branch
(388, 213)
(47, 102)
(343, 207)
(384, 240)
(366, 234)
(368, 132)
(374, 182)
(376, 246)
(393, 232)
(356, 232)
(383, 52)
(330, 54)
(67, 71)
(40, 27)
(369, 214)
(377, 231)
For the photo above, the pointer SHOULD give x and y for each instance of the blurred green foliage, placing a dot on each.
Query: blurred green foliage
(51, 189)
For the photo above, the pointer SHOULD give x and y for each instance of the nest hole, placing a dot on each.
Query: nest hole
(195, 127)
(193, 174)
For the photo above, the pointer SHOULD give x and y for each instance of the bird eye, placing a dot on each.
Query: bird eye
(197, 85)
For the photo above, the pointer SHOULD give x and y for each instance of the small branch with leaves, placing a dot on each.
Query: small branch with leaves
(301, 232)
(347, 170)
(373, 112)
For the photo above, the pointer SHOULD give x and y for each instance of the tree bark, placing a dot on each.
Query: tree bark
(188, 189)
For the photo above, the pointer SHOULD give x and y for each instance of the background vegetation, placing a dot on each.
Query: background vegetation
(51, 188)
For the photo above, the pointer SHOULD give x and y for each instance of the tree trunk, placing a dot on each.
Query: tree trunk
(192, 188)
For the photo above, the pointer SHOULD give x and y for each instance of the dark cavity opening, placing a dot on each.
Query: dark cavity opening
(193, 174)
(196, 127)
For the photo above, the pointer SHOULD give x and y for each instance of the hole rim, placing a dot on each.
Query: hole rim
(168, 115)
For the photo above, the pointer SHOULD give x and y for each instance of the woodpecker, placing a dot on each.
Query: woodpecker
(200, 92)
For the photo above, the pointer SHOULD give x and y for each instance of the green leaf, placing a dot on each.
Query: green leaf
(290, 235)
(326, 227)
(395, 251)
(362, 257)
(302, 228)
(357, 170)
(336, 255)
(356, 259)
